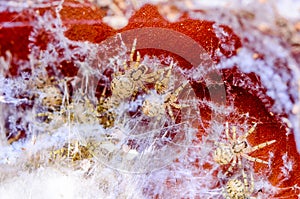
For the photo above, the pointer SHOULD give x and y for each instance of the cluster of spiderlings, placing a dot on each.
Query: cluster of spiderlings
(131, 81)
(231, 153)
(82, 111)
(143, 102)
(151, 127)
(135, 78)
(55, 106)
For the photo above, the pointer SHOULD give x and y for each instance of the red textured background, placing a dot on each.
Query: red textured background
(83, 23)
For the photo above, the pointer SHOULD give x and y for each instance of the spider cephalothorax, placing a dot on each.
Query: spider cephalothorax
(236, 148)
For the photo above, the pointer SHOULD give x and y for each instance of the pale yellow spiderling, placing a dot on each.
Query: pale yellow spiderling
(235, 148)
(51, 97)
(238, 189)
(157, 105)
(79, 111)
(133, 78)
(48, 92)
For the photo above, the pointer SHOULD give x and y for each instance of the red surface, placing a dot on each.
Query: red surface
(83, 23)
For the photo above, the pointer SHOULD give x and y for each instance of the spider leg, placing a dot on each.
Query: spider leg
(169, 70)
(227, 132)
(245, 181)
(138, 59)
(170, 112)
(134, 93)
(233, 163)
(260, 146)
(141, 85)
(133, 50)
(178, 106)
(49, 115)
(233, 133)
(252, 184)
(180, 88)
(14, 138)
(125, 68)
(102, 97)
(248, 188)
(167, 79)
(172, 97)
(254, 159)
(162, 85)
(251, 130)
(239, 159)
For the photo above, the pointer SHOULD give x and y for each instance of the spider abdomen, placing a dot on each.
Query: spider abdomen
(235, 189)
(122, 87)
(223, 155)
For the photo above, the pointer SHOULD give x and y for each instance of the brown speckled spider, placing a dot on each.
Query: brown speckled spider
(237, 189)
(156, 105)
(127, 84)
(74, 151)
(79, 111)
(236, 148)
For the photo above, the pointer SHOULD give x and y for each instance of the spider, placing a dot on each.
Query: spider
(237, 189)
(49, 92)
(127, 84)
(155, 105)
(51, 100)
(79, 111)
(237, 148)
(53, 97)
(74, 151)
